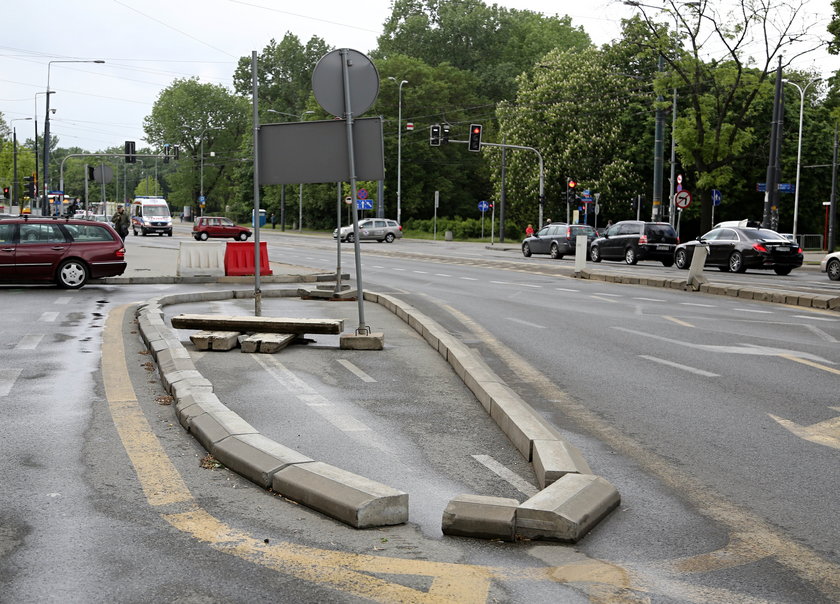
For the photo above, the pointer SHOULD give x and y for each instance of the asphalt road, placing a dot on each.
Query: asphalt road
(683, 401)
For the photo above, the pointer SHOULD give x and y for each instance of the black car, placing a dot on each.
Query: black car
(634, 240)
(738, 248)
(557, 240)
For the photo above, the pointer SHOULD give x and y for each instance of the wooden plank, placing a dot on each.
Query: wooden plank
(258, 324)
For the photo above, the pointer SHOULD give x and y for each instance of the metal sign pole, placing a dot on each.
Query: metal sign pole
(256, 215)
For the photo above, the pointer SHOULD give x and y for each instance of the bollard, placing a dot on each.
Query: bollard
(695, 271)
(581, 252)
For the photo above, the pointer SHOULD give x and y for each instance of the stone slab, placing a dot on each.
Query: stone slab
(350, 498)
(553, 459)
(352, 341)
(215, 340)
(481, 517)
(567, 509)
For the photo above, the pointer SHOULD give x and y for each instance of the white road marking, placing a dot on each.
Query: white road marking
(566, 289)
(752, 310)
(521, 322)
(649, 299)
(399, 269)
(442, 275)
(356, 371)
(597, 297)
(7, 380)
(29, 342)
(500, 282)
(48, 317)
(820, 333)
(421, 272)
(509, 476)
(679, 366)
(469, 278)
(698, 304)
(829, 319)
(62, 300)
(611, 295)
(529, 285)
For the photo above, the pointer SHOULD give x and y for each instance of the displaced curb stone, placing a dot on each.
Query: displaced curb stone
(553, 459)
(480, 517)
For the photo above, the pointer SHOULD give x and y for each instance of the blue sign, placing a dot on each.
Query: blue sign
(201, 199)
(483, 206)
(364, 204)
(717, 197)
(586, 197)
(782, 187)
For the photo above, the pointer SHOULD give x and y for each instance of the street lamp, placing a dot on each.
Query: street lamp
(399, 147)
(47, 126)
(300, 186)
(799, 148)
(201, 169)
(14, 152)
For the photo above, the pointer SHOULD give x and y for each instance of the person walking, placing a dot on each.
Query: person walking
(529, 230)
(121, 220)
(273, 221)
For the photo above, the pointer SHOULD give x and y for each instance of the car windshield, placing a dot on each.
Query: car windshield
(763, 235)
(156, 211)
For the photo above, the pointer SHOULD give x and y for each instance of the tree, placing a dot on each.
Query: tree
(721, 84)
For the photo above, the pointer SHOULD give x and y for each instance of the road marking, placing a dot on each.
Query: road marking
(29, 342)
(679, 366)
(7, 380)
(509, 476)
(349, 573)
(521, 322)
(753, 310)
(698, 304)
(813, 318)
(442, 275)
(355, 370)
(597, 297)
(63, 300)
(611, 295)
(825, 433)
(649, 299)
(421, 272)
(530, 285)
(567, 289)
(399, 269)
(48, 317)
(677, 321)
(810, 363)
(468, 278)
(820, 333)
(500, 282)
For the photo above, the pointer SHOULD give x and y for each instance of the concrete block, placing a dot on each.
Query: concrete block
(481, 517)
(518, 420)
(210, 428)
(350, 498)
(266, 342)
(553, 459)
(354, 341)
(567, 509)
(256, 457)
(195, 403)
(215, 340)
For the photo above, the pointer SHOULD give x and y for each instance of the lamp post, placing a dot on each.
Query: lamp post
(47, 126)
(14, 152)
(300, 186)
(799, 148)
(201, 168)
(399, 147)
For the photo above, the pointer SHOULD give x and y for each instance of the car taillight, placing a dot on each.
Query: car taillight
(799, 250)
(759, 248)
(400, 227)
(569, 233)
(121, 253)
(643, 239)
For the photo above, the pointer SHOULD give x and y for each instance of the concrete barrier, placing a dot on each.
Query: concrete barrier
(214, 426)
(215, 340)
(201, 259)
(350, 498)
(256, 457)
(480, 517)
(553, 459)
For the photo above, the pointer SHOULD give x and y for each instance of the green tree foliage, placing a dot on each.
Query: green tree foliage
(570, 109)
(496, 44)
(208, 124)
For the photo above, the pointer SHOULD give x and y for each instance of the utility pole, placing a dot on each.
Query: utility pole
(658, 154)
(771, 193)
(832, 205)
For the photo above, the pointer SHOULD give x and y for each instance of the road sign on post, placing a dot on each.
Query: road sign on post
(717, 197)
(682, 199)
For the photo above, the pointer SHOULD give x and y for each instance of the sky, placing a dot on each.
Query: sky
(146, 45)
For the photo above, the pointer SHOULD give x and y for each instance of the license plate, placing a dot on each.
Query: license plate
(783, 248)
(663, 248)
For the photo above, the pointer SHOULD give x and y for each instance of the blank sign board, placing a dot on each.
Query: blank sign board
(307, 152)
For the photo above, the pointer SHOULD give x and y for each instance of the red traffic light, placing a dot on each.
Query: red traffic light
(572, 183)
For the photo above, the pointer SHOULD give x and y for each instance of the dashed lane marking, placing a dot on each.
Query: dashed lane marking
(509, 476)
(8, 377)
(29, 342)
(528, 323)
(677, 321)
(679, 366)
(48, 317)
(356, 371)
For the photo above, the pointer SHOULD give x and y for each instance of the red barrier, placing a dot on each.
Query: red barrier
(239, 259)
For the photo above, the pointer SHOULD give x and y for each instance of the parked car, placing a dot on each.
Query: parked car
(634, 240)
(831, 264)
(737, 249)
(62, 250)
(557, 239)
(380, 229)
(205, 227)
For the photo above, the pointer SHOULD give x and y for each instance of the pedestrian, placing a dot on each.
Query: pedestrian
(120, 220)
(273, 221)
(548, 220)
(529, 230)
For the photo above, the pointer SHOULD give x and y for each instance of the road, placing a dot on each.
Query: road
(711, 416)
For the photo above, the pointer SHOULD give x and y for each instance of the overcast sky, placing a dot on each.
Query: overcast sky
(146, 45)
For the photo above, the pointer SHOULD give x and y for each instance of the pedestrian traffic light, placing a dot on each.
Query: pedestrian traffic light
(130, 158)
(434, 135)
(444, 134)
(475, 137)
(5, 192)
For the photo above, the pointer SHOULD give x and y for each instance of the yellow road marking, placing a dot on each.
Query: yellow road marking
(791, 357)
(346, 572)
(677, 321)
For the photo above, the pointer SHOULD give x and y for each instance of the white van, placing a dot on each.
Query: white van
(151, 215)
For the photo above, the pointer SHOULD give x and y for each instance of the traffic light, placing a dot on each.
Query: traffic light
(166, 153)
(434, 135)
(130, 158)
(176, 150)
(571, 183)
(5, 192)
(475, 137)
(444, 134)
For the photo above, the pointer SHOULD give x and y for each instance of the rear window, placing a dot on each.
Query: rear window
(763, 234)
(663, 230)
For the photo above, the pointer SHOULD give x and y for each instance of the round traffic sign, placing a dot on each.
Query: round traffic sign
(328, 82)
(682, 199)
(348, 200)
(362, 193)
(483, 206)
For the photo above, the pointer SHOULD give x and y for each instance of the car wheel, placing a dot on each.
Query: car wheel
(630, 256)
(833, 269)
(197, 237)
(134, 231)
(144, 232)
(72, 274)
(667, 263)
(526, 250)
(390, 238)
(594, 254)
(169, 234)
(203, 236)
(555, 252)
(681, 259)
(243, 237)
(351, 238)
(736, 263)
(782, 270)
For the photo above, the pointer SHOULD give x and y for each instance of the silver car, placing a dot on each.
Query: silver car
(380, 229)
